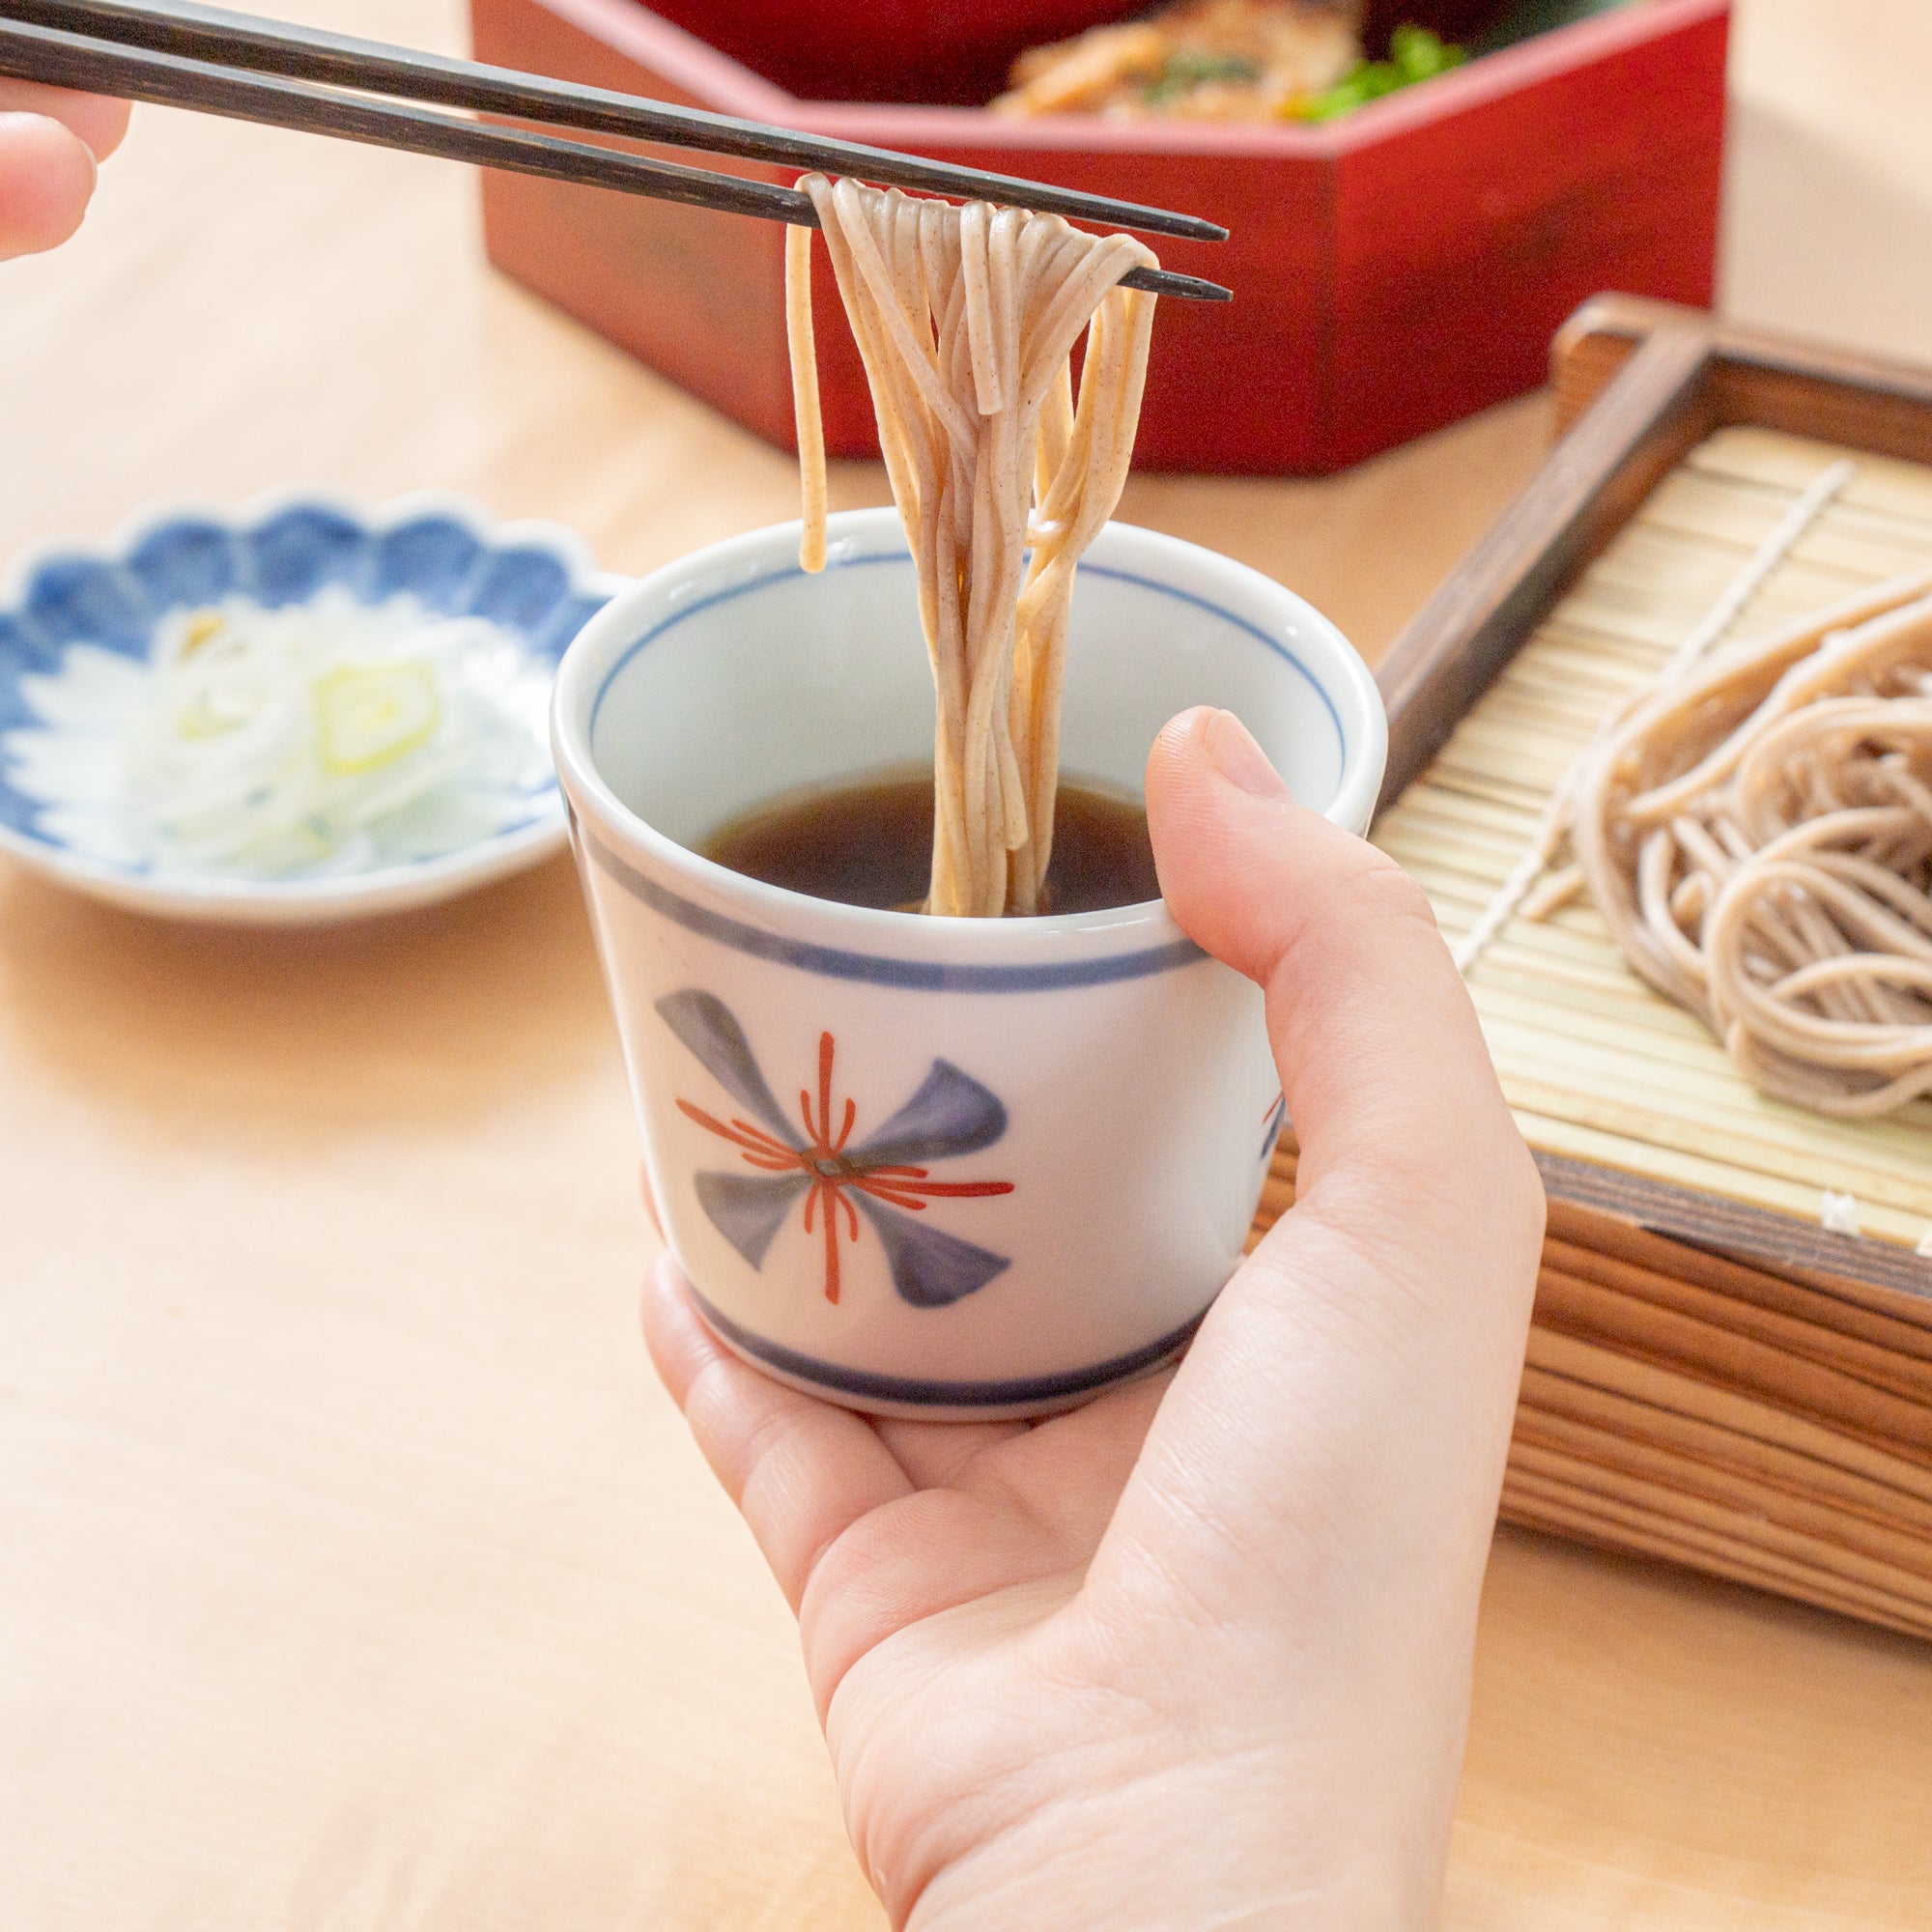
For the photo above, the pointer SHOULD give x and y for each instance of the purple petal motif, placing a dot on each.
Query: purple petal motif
(950, 1113)
(703, 1022)
(1277, 1118)
(749, 1208)
(930, 1268)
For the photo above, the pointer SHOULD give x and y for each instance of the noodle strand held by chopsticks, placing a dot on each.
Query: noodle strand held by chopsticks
(966, 320)
(804, 345)
(1759, 840)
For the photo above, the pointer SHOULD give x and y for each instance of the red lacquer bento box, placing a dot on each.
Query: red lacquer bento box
(1392, 271)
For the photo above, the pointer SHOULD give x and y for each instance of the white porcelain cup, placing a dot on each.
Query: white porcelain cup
(932, 1167)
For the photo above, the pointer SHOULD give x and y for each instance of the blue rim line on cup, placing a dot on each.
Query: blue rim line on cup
(911, 1392)
(835, 963)
(1135, 578)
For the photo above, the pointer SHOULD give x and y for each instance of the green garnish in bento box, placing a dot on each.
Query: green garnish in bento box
(1414, 54)
(1182, 72)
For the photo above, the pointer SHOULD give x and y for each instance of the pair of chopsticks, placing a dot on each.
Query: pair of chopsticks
(184, 55)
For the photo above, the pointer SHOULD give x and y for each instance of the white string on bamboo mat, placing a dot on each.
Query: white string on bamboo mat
(1839, 1213)
(1805, 511)
(1552, 827)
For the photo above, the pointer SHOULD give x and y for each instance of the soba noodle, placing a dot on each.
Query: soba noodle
(966, 318)
(1760, 838)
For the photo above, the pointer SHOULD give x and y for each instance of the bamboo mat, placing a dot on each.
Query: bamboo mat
(1597, 1065)
(1763, 1425)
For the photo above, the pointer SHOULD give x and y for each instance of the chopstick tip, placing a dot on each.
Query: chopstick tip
(1166, 282)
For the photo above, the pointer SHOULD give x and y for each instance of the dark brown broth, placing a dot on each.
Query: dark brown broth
(869, 843)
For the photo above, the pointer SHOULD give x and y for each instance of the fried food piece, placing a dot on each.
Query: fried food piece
(1216, 59)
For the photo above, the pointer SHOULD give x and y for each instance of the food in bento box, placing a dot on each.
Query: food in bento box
(1223, 60)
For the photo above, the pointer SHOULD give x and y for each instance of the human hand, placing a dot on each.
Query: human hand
(51, 141)
(1198, 1654)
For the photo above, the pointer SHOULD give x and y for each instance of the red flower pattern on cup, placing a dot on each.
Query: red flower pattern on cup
(831, 1169)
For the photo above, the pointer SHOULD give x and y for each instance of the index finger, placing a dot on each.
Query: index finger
(97, 119)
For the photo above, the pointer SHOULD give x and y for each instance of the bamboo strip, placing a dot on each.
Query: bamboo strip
(1571, 646)
(1854, 543)
(1477, 852)
(1555, 1135)
(1800, 1386)
(1529, 752)
(1648, 1391)
(1690, 1090)
(1898, 1323)
(1620, 667)
(1651, 629)
(1570, 1417)
(1748, 1452)
(1752, 454)
(1639, 1123)
(1816, 1498)
(1713, 1524)
(1666, 1033)
(1700, 1106)
(1532, 763)
(1426, 795)
(1450, 814)
(1635, 1531)
(1570, 661)
(1692, 1158)
(1569, 973)
(1825, 1534)
(1745, 1312)
(1478, 785)
(1540, 700)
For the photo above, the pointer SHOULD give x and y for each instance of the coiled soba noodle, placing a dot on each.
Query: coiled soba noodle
(966, 318)
(1759, 838)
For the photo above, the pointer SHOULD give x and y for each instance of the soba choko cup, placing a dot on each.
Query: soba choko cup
(932, 1167)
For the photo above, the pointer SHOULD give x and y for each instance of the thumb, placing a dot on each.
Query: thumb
(1360, 1369)
(1387, 1077)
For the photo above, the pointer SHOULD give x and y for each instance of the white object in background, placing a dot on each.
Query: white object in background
(1839, 1215)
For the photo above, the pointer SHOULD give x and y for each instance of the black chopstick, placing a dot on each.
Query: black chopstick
(186, 29)
(60, 59)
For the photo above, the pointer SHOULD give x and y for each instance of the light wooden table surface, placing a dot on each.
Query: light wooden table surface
(353, 1572)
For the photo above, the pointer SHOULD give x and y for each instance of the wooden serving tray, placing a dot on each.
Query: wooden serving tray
(1673, 424)
(1715, 1376)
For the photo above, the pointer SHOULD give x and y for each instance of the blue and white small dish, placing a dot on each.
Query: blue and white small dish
(84, 631)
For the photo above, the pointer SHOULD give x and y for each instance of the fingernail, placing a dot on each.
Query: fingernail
(1235, 755)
